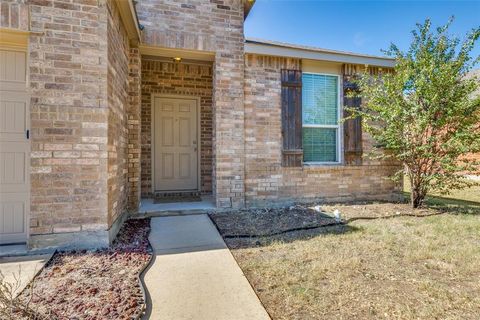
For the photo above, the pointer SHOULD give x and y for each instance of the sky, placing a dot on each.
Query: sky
(356, 26)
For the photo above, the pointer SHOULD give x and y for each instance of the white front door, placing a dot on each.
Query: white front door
(175, 144)
(14, 147)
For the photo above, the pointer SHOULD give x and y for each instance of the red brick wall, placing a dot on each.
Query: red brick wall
(79, 78)
(117, 91)
(69, 115)
(185, 79)
(266, 181)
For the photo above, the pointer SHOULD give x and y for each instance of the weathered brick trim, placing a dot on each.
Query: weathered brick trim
(86, 239)
(269, 62)
(70, 240)
(188, 78)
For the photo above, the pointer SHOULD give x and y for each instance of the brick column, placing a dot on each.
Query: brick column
(229, 141)
(134, 128)
(69, 120)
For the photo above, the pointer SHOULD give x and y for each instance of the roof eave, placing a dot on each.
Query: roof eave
(270, 49)
(247, 6)
(130, 21)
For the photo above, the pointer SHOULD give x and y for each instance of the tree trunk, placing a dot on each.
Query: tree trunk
(417, 195)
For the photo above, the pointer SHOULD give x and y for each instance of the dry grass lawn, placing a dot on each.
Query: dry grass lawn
(399, 268)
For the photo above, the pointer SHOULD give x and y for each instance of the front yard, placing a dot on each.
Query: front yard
(403, 267)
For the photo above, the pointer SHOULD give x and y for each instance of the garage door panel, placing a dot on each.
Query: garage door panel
(14, 148)
(13, 70)
(14, 112)
(13, 212)
(14, 167)
(12, 65)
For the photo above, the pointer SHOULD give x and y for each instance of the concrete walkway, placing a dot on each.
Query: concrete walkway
(19, 271)
(194, 275)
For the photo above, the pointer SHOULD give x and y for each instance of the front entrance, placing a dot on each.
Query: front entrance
(175, 144)
(14, 147)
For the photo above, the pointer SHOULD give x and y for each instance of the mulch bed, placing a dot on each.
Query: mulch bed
(268, 221)
(271, 221)
(101, 284)
(244, 228)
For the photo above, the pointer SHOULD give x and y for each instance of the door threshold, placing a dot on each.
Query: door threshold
(193, 192)
(206, 204)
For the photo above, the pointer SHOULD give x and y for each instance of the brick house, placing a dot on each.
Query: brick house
(97, 114)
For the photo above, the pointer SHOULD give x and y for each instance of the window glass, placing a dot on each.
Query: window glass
(320, 118)
(319, 99)
(319, 144)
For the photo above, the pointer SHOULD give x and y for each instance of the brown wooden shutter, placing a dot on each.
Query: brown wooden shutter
(292, 152)
(352, 128)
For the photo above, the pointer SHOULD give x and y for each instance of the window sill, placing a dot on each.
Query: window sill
(322, 164)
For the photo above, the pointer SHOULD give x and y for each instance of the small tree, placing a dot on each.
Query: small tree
(424, 113)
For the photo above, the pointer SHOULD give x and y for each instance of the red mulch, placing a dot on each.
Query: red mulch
(99, 284)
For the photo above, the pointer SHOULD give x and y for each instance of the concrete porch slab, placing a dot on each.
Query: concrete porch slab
(20, 250)
(148, 208)
(194, 275)
(19, 271)
(13, 250)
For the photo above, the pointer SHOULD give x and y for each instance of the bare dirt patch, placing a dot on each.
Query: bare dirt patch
(101, 284)
(368, 210)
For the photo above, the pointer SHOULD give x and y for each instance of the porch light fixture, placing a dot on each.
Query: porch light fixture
(177, 59)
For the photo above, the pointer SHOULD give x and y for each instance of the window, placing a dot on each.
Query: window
(320, 118)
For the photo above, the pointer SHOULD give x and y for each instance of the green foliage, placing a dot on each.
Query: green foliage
(425, 113)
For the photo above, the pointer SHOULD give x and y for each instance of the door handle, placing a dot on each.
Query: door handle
(27, 133)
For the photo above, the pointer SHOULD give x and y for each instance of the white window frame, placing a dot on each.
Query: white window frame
(328, 126)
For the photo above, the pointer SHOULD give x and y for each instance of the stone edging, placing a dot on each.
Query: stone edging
(140, 278)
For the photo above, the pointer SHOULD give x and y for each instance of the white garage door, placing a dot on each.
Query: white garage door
(14, 147)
